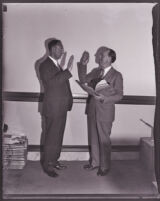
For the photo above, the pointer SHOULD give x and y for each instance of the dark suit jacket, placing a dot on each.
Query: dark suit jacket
(113, 92)
(57, 94)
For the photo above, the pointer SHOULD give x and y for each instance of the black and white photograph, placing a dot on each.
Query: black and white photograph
(81, 100)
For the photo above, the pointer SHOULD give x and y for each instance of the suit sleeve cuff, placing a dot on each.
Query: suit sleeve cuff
(67, 73)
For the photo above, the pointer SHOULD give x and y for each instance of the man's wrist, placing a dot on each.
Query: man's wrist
(81, 64)
(67, 70)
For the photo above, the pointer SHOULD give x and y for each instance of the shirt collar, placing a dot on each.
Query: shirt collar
(54, 61)
(106, 70)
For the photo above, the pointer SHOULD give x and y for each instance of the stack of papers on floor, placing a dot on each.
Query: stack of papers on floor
(14, 150)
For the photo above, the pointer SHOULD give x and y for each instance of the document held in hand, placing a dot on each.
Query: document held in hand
(102, 88)
(101, 85)
(87, 88)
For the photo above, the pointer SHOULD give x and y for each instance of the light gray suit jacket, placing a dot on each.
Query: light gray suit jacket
(113, 92)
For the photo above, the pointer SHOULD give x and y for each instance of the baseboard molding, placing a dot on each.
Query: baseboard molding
(80, 152)
(85, 148)
(78, 197)
(38, 97)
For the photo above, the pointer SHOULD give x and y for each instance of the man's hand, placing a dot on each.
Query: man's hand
(63, 60)
(70, 63)
(100, 97)
(85, 58)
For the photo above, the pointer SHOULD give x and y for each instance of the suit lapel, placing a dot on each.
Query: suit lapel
(109, 76)
(53, 65)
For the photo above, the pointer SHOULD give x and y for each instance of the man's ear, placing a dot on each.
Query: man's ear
(53, 48)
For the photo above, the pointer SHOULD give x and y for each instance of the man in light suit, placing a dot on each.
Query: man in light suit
(57, 101)
(100, 108)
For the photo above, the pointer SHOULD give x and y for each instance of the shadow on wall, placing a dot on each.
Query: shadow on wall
(37, 65)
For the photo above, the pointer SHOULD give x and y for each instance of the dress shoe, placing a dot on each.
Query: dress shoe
(60, 166)
(49, 170)
(51, 173)
(89, 167)
(102, 172)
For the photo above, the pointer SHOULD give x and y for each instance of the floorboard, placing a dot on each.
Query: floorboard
(125, 178)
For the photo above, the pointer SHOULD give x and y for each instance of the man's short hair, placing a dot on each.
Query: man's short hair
(53, 43)
(101, 50)
(112, 54)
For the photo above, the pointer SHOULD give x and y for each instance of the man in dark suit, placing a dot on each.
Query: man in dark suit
(100, 107)
(56, 102)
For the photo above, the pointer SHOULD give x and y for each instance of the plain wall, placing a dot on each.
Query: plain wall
(127, 129)
(127, 28)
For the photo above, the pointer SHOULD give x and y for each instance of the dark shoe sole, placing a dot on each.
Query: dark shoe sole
(52, 174)
(102, 173)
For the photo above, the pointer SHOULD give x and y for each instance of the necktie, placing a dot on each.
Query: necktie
(100, 77)
(59, 66)
(101, 73)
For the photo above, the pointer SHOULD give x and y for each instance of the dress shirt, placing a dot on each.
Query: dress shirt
(54, 61)
(103, 83)
(106, 70)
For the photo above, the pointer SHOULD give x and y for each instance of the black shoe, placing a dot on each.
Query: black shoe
(60, 166)
(102, 172)
(51, 173)
(49, 170)
(89, 167)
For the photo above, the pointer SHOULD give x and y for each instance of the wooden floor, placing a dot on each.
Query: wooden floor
(126, 178)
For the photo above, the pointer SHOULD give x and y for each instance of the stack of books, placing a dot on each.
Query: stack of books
(14, 150)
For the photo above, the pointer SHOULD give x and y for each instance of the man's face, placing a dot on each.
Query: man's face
(97, 57)
(57, 51)
(105, 59)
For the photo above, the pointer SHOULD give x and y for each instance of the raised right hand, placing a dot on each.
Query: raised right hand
(85, 58)
(70, 63)
(63, 60)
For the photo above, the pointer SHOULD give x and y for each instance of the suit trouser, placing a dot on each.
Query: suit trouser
(99, 140)
(54, 131)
